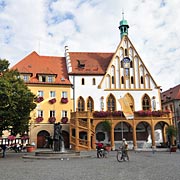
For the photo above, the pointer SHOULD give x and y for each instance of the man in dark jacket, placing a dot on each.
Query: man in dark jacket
(3, 147)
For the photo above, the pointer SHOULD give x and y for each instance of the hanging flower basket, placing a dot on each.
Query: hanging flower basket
(64, 120)
(52, 101)
(39, 99)
(52, 119)
(11, 137)
(64, 100)
(39, 119)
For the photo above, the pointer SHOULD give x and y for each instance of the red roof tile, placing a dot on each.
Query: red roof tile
(171, 94)
(35, 64)
(94, 62)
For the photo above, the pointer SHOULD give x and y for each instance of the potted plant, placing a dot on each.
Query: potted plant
(30, 147)
(171, 132)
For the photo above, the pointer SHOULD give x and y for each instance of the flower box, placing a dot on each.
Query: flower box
(39, 119)
(52, 101)
(64, 120)
(39, 99)
(64, 100)
(11, 137)
(52, 119)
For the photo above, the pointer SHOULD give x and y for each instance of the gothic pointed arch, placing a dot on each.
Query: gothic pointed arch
(111, 103)
(130, 100)
(146, 102)
(81, 104)
(90, 104)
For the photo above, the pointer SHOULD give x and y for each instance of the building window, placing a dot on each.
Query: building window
(111, 103)
(52, 113)
(126, 52)
(82, 81)
(122, 79)
(80, 104)
(94, 81)
(26, 78)
(146, 103)
(127, 72)
(64, 94)
(132, 80)
(90, 104)
(40, 113)
(40, 93)
(52, 94)
(142, 80)
(64, 113)
(131, 64)
(50, 79)
(43, 78)
(112, 78)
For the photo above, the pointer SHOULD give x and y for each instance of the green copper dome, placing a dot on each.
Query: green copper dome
(124, 23)
(123, 27)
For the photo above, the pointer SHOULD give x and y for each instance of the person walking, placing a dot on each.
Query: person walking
(3, 147)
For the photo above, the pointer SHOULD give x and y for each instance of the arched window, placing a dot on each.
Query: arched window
(111, 103)
(146, 102)
(80, 104)
(90, 104)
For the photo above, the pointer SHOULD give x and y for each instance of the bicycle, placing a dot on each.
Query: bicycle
(122, 155)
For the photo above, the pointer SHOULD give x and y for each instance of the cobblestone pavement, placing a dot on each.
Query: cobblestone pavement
(142, 166)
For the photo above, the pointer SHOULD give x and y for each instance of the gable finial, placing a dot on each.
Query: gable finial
(123, 14)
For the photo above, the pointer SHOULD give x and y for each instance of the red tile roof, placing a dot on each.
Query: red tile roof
(171, 94)
(94, 62)
(35, 64)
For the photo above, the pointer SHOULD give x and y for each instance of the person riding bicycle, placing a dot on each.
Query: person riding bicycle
(99, 147)
(124, 148)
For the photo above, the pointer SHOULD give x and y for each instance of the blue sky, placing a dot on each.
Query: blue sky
(47, 26)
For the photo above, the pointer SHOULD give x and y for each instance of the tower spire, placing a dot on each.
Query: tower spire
(123, 26)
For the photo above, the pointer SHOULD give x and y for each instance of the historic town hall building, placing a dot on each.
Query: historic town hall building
(87, 91)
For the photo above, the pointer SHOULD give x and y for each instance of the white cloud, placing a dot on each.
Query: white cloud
(46, 26)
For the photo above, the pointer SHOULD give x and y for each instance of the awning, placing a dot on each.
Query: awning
(127, 111)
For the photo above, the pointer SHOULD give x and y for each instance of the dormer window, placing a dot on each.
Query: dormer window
(25, 78)
(46, 78)
(43, 78)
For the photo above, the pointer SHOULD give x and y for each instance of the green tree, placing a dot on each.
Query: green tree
(16, 101)
(106, 125)
(171, 132)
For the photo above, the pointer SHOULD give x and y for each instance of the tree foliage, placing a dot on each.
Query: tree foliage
(16, 101)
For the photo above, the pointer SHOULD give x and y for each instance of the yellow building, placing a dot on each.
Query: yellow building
(47, 78)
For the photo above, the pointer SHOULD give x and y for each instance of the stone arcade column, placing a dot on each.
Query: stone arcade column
(134, 135)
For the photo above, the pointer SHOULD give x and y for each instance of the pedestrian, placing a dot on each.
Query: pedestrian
(3, 147)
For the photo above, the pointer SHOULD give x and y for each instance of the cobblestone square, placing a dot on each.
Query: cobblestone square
(142, 166)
